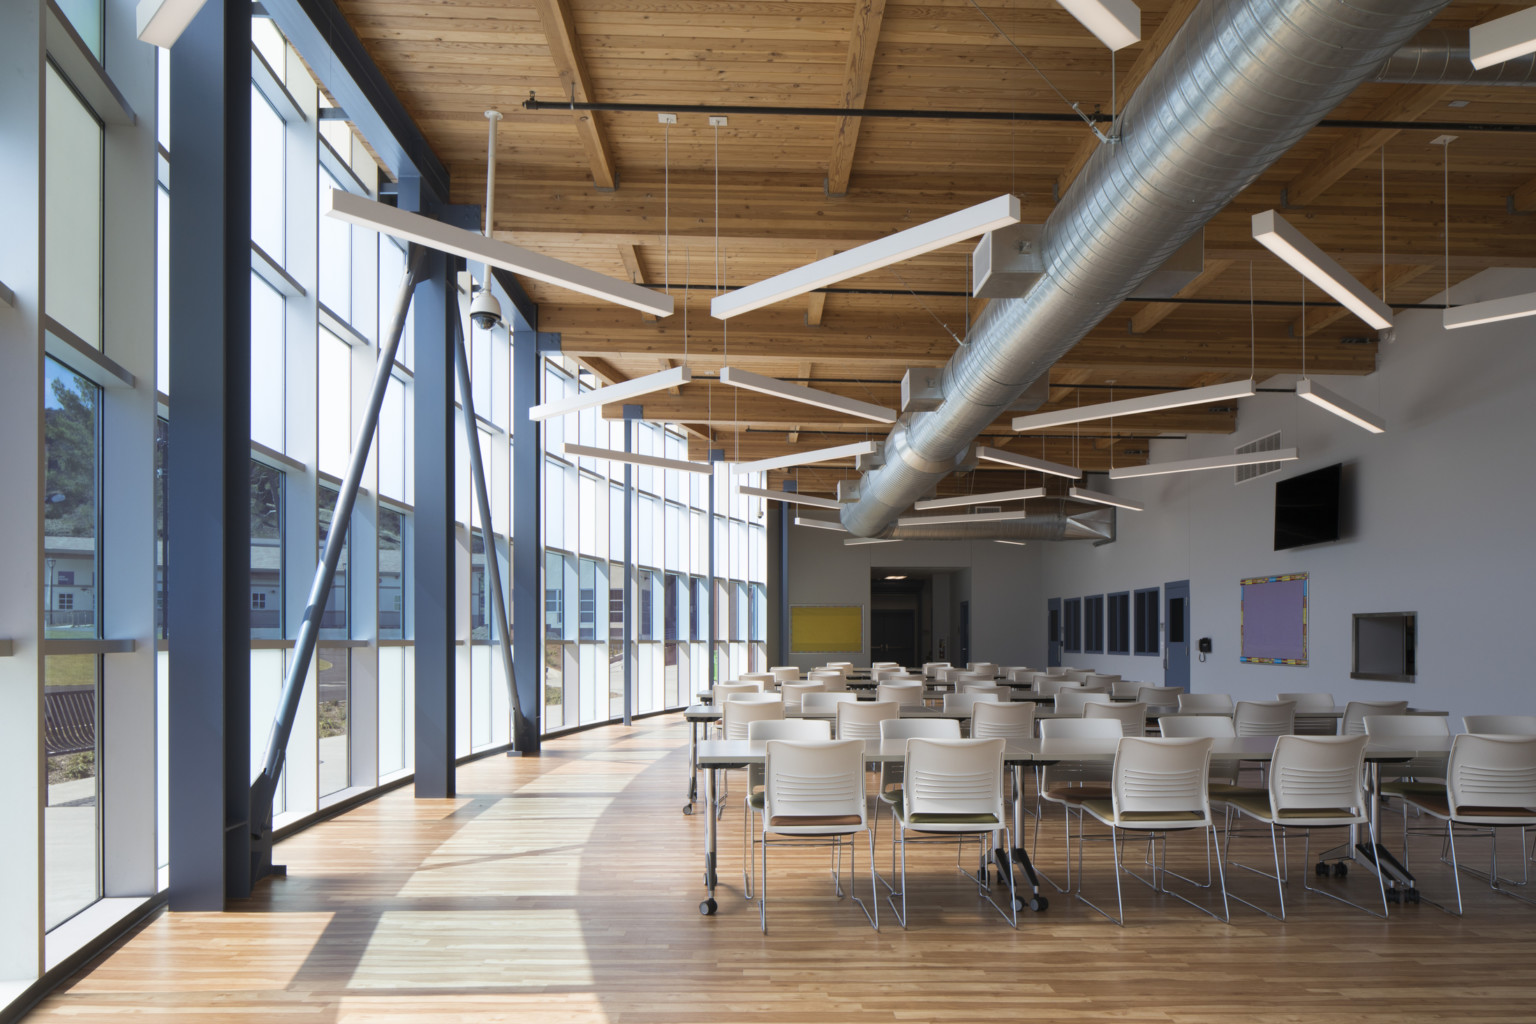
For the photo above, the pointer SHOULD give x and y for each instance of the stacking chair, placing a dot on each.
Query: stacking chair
(821, 700)
(1019, 674)
(764, 679)
(1503, 725)
(953, 788)
(967, 701)
(832, 680)
(739, 710)
(884, 664)
(893, 772)
(1314, 782)
(1125, 689)
(1205, 704)
(725, 691)
(1311, 704)
(1050, 686)
(931, 668)
(986, 668)
(1490, 782)
(987, 689)
(1356, 710)
(768, 729)
(1423, 774)
(1223, 771)
(1310, 701)
(1103, 679)
(1070, 783)
(908, 694)
(1078, 675)
(1071, 702)
(793, 693)
(1264, 717)
(841, 665)
(991, 720)
(785, 673)
(814, 791)
(1157, 786)
(1132, 717)
(1159, 696)
(860, 720)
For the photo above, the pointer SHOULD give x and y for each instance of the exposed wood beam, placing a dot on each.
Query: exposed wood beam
(630, 254)
(667, 364)
(575, 83)
(816, 302)
(1406, 103)
(863, 40)
(1523, 200)
(1152, 48)
(1153, 313)
(1320, 317)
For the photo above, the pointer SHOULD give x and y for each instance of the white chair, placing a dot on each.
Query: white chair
(1356, 710)
(1264, 717)
(860, 720)
(1102, 678)
(785, 673)
(931, 668)
(1503, 725)
(1055, 670)
(794, 693)
(821, 700)
(1125, 689)
(815, 791)
(991, 720)
(966, 702)
(884, 664)
(737, 711)
(1314, 782)
(1079, 675)
(907, 694)
(1159, 696)
(840, 664)
(1071, 702)
(986, 668)
(1316, 711)
(763, 679)
(802, 729)
(725, 691)
(1223, 771)
(953, 788)
(987, 689)
(1050, 686)
(831, 679)
(1132, 717)
(1069, 783)
(1401, 776)
(1310, 701)
(1205, 704)
(1019, 674)
(1490, 783)
(893, 772)
(1157, 786)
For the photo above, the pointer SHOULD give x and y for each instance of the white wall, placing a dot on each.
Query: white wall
(1004, 589)
(1443, 514)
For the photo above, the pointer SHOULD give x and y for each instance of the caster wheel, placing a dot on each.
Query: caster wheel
(1039, 903)
(1019, 904)
(687, 808)
(1412, 895)
(1322, 870)
(1393, 896)
(1340, 869)
(708, 907)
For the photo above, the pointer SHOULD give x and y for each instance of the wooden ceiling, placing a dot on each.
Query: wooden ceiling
(615, 192)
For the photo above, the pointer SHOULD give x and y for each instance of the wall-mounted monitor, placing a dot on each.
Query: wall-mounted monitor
(1307, 508)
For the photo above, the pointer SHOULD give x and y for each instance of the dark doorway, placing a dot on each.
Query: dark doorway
(1053, 632)
(893, 636)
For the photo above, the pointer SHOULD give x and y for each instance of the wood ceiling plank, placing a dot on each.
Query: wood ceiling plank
(565, 49)
(816, 302)
(863, 41)
(1406, 103)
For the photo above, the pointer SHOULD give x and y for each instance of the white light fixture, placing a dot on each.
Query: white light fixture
(1135, 406)
(161, 22)
(1194, 465)
(1339, 406)
(1025, 462)
(1100, 498)
(635, 459)
(413, 227)
(791, 497)
(842, 451)
(613, 393)
(1511, 307)
(903, 245)
(895, 577)
(1501, 39)
(807, 396)
(980, 499)
(968, 517)
(821, 524)
(1015, 543)
(1115, 23)
(853, 542)
(1276, 234)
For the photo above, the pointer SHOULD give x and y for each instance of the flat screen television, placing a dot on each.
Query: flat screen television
(1307, 508)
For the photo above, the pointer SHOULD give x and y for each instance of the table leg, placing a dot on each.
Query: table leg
(710, 840)
(693, 767)
(1400, 884)
(1007, 860)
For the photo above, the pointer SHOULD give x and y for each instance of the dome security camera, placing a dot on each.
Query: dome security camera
(484, 310)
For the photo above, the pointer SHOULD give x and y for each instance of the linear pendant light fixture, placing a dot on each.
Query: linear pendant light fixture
(1018, 461)
(968, 517)
(635, 459)
(1339, 406)
(820, 524)
(960, 501)
(1100, 498)
(1194, 465)
(1280, 237)
(854, 542)
(1511, 307)
(161, 22)
(1115, 23)
(1501, 39)
(903, 245)
(807, 396)
(413, 227)
(791, 497)
(1133, 406)
(842, 451)
(612, 393)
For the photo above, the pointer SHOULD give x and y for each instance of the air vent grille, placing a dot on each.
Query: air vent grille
(1268, 443)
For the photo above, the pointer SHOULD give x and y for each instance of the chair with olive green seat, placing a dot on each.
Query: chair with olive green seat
(1069, 783)
(768, 729)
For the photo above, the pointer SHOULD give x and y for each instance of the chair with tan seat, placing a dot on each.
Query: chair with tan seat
(1077, 675)
(1503, 725)
(892, 773)
(785, 673)
(1264, 717)
(986, 668)
(1104, 679)
(794, 693)
(1355, 711)
(906, 694)
(860, 720)
(1069, 783)
(813, 701)
(768, 729)
(1205, 704)
(1019, 674)
(1159, 696)
(1071, 702)
(1131, 716)
(739, 710)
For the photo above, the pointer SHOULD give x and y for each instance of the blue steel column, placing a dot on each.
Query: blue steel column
(528, 347)
(786, 513)
(716, 458)
(208, 508)
(631, 414)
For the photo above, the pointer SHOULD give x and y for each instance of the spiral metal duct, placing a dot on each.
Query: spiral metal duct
(1095, 524)
(1438, 57)
(1239, 85)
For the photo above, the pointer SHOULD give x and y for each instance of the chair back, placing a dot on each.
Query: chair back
(1071, 702)
(844, 665)
(1430, 766)
(810, 782)
(1125, 689)
(764, 679)
(986, 668)
(1216, 727)
(1020, 674)
(1491, 772)
(927, 728)
(785, 673)
(735, 714)
(1101, 678)
(1159, 696)
(860, 720)
(1504, 725)
(967, 701)
(1356, 710)
(910, 694)
(789, 729)
(1207, 703)
(821, 700)
(1078, 675)
(987, 690)
(1011, 721)
(931, 668)
(794, 693)
(1264, 717)
(1318, 773)
(884, 664)
(1073, 772)
(1050, 686)
(1132, 717)
(725, 691)
(832, 680)
(1310, 701)
(954, 777)
(1162, 776)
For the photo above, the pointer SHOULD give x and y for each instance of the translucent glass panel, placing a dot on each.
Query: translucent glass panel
(267, 177)
(335, 255)
(335, 621)
(588, 514)
(592, 613)
(333, 673)
(392, 442)
(395, 676)
(85, 16)
(481, 657)
(393, 592)
(71, 512)
(266, 551)
(333, 402)
(71, 810)
(270, 44)
(615, 521)
(554, 686)
(267, 671)
(163, 289)
(268, 354)
(72, 215)
(391, 276)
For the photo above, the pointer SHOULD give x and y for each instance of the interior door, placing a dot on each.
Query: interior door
(1053, 632)
(1176, 625)
(893, 636)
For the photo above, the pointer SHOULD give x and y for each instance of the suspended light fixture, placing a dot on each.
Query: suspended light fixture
(1100, 498)
(969, 517)
(1014, 543)
(1115, 23)
(962, 500)
(790, 497)
(903, 245)
(853, 542)
(820, 524)
(612, 393)
(1018, 461)
(1501, 39)
(1276, 234)
(1133, 406)
(161, 22)
(1339, 406)
(635, 459)
(806, 396)
(1195, 465)
(842, 451)
(1491, 312)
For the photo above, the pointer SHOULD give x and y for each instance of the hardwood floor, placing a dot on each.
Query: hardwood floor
(565, 888)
